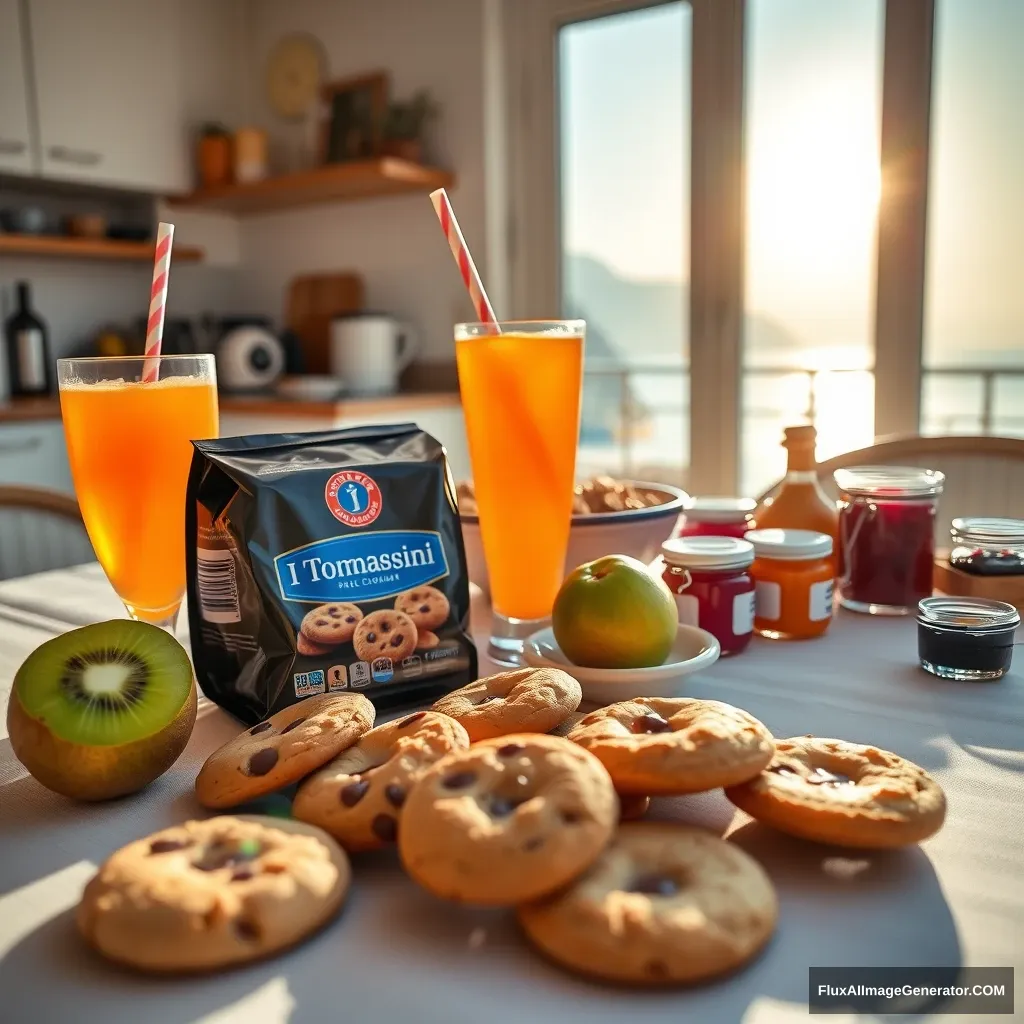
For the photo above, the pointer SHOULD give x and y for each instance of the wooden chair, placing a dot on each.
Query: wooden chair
(984, 475)
(39, 530)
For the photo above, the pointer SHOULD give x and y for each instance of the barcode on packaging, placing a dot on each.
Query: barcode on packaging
(218, 588)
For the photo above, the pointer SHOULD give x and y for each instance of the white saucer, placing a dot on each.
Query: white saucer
(693, 650)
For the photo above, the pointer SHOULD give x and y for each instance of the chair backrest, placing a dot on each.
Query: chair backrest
(40, 530)
(984, 475)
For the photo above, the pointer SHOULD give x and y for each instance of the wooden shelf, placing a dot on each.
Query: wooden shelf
(89, 248)
(362, 179)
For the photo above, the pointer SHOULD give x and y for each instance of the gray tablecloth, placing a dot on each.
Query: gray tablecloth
(398, 954)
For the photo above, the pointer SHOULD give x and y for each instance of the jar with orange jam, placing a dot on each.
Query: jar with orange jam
(793, 577)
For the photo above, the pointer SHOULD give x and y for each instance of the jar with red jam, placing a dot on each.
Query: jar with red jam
(711, 582)
(886, 537)
(717, 517)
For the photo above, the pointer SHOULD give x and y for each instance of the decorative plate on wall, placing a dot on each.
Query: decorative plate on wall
(294, 72)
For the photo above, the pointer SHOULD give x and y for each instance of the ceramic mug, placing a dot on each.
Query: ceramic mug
(369, 351)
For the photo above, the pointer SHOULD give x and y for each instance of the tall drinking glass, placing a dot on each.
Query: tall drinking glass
(521, 399)
(128, 444)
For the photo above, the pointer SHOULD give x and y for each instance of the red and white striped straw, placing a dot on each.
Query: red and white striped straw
(158, 300)
(467, 268)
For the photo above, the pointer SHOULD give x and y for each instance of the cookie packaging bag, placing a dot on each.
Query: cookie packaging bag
(326, 562)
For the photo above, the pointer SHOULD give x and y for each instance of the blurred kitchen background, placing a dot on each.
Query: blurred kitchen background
(294, 144)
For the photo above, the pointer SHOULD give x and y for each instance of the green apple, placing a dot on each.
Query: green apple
(614, 613)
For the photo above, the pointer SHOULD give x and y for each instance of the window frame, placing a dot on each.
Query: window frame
(529, 196)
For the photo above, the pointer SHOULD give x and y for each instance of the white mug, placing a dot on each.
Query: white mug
(370, 350)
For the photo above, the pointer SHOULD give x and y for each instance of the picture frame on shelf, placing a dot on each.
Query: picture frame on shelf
(355, 109)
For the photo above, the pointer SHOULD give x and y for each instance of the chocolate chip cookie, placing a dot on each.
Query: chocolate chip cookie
(385, 634)
(508, 820)
(664, 904)
(331, 624)
(360, 795)
(207, 894)
(663, 745)
(426, 606)
(283, 749)
(832, 791)
(524, 700)
(303, 645)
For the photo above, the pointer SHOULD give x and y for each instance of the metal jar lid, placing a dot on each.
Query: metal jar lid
(890, 481)
(711, 553)
(968, 614)
(719, 510)
(997, 532)
(790, 545)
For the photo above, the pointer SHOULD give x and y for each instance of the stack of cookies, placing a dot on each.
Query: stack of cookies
(502, 795)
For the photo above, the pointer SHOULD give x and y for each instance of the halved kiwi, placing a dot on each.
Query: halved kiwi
(103, 710)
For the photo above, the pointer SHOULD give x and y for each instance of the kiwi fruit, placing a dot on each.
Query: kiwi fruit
(102, 711)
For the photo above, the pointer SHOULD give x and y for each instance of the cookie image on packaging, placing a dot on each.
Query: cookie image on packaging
(426, 606)
(385, 634)
(331, 624)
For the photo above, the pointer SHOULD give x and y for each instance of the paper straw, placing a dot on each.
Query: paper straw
(485, 314)
(158, 300)
(467, 268)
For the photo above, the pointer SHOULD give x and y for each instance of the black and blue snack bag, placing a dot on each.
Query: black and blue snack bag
(326, 562)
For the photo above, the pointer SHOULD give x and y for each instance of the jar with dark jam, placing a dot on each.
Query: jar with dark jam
(886, 537)
(966, 638)
(988, 547)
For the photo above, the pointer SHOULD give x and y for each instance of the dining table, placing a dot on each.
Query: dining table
(397, 953)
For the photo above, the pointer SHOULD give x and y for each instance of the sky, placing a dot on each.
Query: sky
(813, 97)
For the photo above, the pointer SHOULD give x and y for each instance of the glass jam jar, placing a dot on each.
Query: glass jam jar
(988, 547)
(793, 576)
(709, 578)
(966, 638)
(717, 517)
(886, 537)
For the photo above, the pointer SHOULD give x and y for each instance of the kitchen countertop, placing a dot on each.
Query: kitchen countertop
(24, 410)
(20, 410)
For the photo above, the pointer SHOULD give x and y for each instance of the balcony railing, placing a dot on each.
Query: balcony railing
(635, 397)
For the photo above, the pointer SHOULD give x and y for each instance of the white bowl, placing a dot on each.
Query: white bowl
(637, 532)
(693, 650)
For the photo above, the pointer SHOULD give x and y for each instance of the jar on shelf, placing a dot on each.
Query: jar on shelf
(793, 576)
(886, 537)
(717, 517)
(988, 547)
(966, 638)
(710, 580)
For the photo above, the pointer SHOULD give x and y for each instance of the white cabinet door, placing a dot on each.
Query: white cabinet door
(108, 85)
(15, 142)
(34, 455)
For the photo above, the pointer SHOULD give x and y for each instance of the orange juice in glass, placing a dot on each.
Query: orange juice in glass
(520, 384)
(129, 447)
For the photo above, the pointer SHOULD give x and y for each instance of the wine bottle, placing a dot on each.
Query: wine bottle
(30, 371)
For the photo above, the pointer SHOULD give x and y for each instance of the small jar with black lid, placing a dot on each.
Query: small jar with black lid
(966, 638)
(988, 547)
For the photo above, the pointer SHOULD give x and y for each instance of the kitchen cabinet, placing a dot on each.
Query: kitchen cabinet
(16, 155)
(34, 455)
(109, 92)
